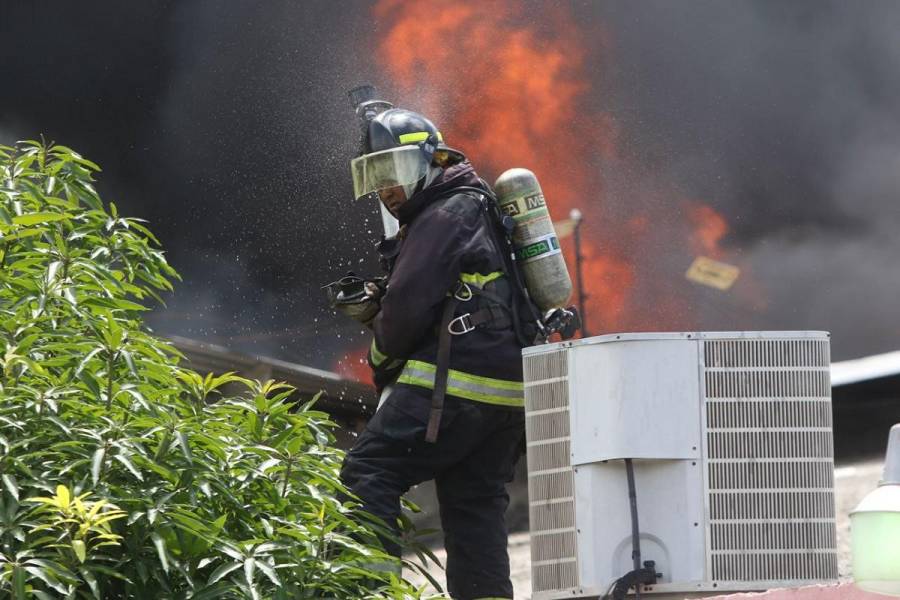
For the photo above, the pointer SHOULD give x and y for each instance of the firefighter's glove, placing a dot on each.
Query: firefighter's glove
(564, 321)
(355, 297)
(363, 311)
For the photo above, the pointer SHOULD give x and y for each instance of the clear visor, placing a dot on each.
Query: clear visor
(402, 166)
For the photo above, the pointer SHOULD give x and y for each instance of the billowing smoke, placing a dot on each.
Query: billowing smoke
(782, 116)
(227, 126)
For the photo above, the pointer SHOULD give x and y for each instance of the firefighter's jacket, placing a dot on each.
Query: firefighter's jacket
(447, 243)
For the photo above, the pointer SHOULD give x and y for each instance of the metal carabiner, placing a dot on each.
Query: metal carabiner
(463, 292)
(464, 322)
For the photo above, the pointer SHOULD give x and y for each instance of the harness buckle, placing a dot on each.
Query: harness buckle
(463, 292)
(461, 325)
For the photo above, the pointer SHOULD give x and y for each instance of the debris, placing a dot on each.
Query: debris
(712, 273)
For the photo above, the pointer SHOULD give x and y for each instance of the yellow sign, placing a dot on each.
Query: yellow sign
(712, 273)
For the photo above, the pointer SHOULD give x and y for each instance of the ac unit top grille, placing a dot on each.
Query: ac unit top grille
(766, 353)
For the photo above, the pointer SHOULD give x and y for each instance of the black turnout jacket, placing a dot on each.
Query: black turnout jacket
(447, 241)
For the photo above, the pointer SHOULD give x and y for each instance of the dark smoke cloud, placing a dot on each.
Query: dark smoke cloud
(226, 125)
(781, 115)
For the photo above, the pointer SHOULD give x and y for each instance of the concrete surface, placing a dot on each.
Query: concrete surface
(844, 591)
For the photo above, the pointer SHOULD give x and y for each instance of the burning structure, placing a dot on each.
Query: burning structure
(514, 90)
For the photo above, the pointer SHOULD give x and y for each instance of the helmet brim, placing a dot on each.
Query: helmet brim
(451, 155)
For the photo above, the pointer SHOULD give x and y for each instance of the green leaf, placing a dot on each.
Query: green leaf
(19, 577)
(222, 571)
(47, 577)
(185, 446)
(250, 571)
(97, 463)
(9, 482)
(23, 233)
(160, 545)
(269, 572)
(63, 497)
(91, 580)
(40, 217)
(130, 466)
(80, 550)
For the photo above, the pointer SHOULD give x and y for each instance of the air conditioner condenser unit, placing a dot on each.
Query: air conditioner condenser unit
(730, 436)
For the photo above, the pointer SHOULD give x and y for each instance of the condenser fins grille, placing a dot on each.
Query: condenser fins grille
(550, 485)
(770, 471)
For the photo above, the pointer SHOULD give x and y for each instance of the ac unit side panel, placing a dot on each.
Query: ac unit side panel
(670, 508)
(551, 497)
(635, 399)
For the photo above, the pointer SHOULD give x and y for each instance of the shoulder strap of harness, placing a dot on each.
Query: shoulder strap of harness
(500, 229)
(442, 371)
(491, 214)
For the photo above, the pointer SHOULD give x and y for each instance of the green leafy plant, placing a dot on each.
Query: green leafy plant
(124, 475)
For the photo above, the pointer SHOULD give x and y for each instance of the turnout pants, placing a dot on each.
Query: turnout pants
(474, 457)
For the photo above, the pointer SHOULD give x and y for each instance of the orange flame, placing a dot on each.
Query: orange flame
(511, 90)
(508, 93)
(353, 365)
(709, 229)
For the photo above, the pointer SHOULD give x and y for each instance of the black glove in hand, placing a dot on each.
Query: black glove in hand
(362, 311)
(356, 297)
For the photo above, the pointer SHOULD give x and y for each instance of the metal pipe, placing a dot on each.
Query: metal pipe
(635, 528)
(577, 218)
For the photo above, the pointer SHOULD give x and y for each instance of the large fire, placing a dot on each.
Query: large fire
(511, 90)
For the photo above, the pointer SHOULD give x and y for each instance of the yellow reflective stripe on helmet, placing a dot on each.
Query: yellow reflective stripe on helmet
(411, 138)
(418, 136)
(465, 385)
(479, 280)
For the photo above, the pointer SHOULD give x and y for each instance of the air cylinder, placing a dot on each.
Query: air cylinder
(535, 242)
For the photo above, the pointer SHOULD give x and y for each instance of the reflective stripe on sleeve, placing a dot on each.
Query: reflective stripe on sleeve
(465, 385)
(479, 280)
(378, 357)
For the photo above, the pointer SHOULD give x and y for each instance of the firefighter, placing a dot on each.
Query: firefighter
(445, 354)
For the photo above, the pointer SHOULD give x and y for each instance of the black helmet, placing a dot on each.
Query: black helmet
(400, 148)
(400, 127)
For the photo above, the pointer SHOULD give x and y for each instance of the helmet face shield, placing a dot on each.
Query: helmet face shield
(403, 166)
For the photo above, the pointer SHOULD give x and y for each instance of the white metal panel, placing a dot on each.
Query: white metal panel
(670, 507)
(635, 399)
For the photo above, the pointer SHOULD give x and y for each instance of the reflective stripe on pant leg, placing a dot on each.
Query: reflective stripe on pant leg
(465, 385)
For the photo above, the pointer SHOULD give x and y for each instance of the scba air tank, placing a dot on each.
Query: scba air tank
(536, 246)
